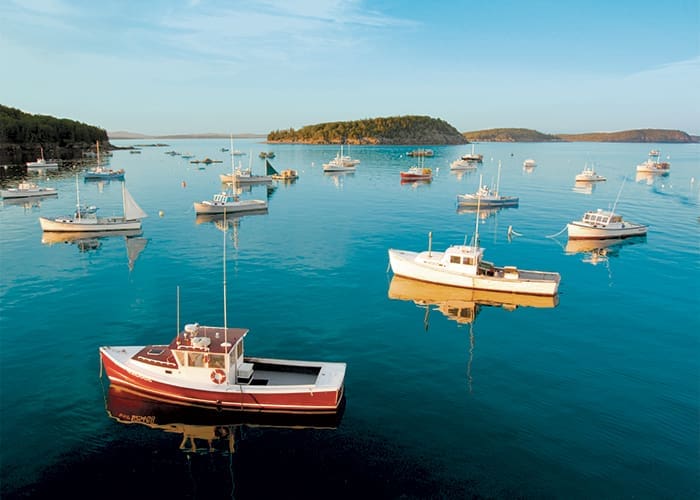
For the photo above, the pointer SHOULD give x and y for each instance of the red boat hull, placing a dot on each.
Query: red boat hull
(300, 401)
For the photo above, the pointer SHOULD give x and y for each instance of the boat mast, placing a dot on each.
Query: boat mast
(498, 178)
(225, 318)
(233, 174)
(612, 212)
(77, 197)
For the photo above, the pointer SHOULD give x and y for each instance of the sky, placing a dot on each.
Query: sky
(228, 66)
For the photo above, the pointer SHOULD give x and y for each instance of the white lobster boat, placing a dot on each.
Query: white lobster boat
(463, 266)
(604, 224)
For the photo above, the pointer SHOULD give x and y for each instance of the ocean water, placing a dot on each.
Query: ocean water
(595, 395)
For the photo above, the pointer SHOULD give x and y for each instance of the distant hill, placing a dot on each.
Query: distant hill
(527, 135)
(22, 135)
(510, 135)
(418, 130)
(120, 134)
(642, 135)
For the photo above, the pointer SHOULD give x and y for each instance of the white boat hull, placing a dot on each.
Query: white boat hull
(428, 266)
(230, 208)
(625, 230)
(27, 193)
(474, 201)
(68, 224)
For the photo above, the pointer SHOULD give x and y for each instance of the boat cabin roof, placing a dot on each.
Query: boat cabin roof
(208, 338)
(601, 215)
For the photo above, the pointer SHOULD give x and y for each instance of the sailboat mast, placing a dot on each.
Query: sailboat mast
(233, 171)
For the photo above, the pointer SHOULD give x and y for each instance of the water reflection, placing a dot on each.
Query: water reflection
(598, 251)
(461, 304)
(584, 187)
(202, 430)
(484, 213)
(87, 241)
(649, 178)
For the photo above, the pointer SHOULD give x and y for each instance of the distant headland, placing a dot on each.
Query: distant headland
(23, 135)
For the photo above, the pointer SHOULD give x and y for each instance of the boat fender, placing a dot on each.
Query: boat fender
(218, 376)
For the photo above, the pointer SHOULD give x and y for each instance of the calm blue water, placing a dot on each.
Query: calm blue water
(596, 397)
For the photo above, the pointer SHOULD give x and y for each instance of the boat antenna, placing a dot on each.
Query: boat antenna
(619, 192)
(475, 241)
(178, 314)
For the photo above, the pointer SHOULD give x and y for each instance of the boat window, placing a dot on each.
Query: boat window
(454, 259)
(180, 358)
(239, 349)
(468, 261)
(216, 361)
(195, 358)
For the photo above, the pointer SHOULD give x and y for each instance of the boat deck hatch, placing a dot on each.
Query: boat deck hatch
(155, 352)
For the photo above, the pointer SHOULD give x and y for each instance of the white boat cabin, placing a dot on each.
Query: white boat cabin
(601, 218)
(223, 198)
(204, 353)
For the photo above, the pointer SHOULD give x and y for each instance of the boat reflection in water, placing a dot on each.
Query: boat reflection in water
(462, 304)
(584, 187)
(484, 213)
(86, 241)
(597, 251)
(205, 430)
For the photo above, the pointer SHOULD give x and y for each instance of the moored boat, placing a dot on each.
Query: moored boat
(341, 163)
(421, 152)
(588, 174)
(486, 197)
(27, 189)
(473, 157)
(86, 219)
(288, 174)
(207, 366)
(463, 266)
(42, 163)
(416, 174)
(603, 224)
(227, 202)
(529, 163)
(653, 164)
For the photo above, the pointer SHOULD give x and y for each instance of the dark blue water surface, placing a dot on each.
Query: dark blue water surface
(596, 397)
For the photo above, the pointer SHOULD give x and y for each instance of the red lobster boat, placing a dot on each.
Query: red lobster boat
(417, 174)
(206, 366)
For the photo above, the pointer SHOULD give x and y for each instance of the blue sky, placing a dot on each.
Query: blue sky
(169, 66)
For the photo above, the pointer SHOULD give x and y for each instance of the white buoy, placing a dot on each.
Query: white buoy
(161, 213)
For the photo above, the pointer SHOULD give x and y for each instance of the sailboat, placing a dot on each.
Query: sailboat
(463, 266)
(227, 201)
(102, 173)
(487, 197)
(287, 174)
(86, 219)
(206, 366)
